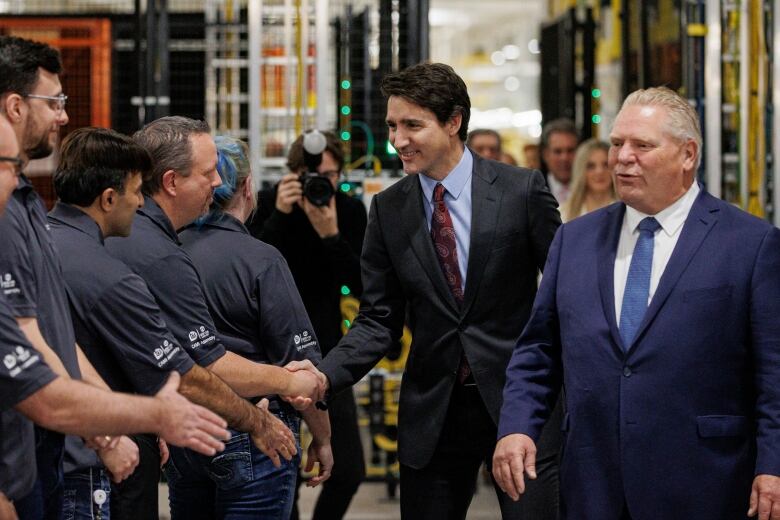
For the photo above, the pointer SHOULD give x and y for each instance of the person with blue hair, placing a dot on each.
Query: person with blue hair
(259, 314)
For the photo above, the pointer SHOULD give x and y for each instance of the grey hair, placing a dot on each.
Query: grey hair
(168, 142)
(561, 125)
(682, 121)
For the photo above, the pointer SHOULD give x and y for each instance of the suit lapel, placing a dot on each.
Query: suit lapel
(609, 236)
(416, 227)
(485, 202)
(701, 219)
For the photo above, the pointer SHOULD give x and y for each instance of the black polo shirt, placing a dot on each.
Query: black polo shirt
(251, 293)
(31, 280)
(153, 251)
(116, 319)
(22, 373)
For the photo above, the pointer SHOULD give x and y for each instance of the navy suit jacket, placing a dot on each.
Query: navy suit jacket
(678, 424)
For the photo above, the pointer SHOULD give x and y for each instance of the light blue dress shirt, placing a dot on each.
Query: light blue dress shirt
(457, 197)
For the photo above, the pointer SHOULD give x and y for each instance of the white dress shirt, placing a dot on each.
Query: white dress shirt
(559, 190)
(671, 219)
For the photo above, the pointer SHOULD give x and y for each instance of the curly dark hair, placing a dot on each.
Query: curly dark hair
(434, 86)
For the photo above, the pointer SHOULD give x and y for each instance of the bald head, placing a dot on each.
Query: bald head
(9, 161)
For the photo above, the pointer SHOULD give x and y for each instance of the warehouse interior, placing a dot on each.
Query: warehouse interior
(266, 70)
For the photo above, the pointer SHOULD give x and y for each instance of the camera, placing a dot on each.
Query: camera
(316, 188)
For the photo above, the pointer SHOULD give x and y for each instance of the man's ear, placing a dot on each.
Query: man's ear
(454, 122)
(13, 106)
(169, 182)
(108, 199)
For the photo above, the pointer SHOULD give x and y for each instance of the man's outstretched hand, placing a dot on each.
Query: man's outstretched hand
(189, 425)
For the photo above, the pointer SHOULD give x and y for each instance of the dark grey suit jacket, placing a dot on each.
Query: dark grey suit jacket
(514, 219)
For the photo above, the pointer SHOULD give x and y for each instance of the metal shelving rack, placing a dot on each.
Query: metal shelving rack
(741, 130)
(266, 76)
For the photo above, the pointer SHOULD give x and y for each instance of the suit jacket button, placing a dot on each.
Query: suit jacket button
(627, 372)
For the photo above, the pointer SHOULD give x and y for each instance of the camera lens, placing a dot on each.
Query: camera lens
(317, 189)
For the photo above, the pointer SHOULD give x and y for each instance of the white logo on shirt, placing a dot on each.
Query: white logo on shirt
(21, 359)
(304, 340)
(8, 284)
(193, 335)
(158, 353)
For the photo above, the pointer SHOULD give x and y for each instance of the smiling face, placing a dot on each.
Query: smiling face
(195, 192)
(652, 168)
(598, 178)
(126, 204)
(44, 117)
(559, 155)
(424, 145)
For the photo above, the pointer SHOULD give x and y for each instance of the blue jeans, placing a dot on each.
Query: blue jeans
(239, 483)
(86, 495)
(44, 502)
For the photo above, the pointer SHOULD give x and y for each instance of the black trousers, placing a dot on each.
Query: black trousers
(135, 498)
(349, 467)
(444, 488)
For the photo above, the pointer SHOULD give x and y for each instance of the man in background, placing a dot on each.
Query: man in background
(559, 144)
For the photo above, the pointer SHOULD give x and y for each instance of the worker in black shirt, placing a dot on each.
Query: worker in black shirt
(322, 246)
(258, 313)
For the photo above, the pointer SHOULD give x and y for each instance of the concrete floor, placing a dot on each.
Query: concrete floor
(371, 503)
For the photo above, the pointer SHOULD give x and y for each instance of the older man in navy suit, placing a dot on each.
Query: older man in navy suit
(661, 316)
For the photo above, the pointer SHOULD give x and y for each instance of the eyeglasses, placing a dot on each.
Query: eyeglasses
(56, 103)
(17, 162)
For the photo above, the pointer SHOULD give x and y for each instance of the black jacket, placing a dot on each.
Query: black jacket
(514, 218)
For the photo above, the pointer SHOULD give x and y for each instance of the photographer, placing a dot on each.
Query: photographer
(322, 245)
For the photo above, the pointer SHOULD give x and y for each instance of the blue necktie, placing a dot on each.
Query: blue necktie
(638, 282)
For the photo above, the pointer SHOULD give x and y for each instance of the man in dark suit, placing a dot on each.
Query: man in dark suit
(660, 315)
(457, 243)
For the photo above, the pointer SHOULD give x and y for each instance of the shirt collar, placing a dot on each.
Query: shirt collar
(224, 221)
(24, 184)
(155, 213)
(672, 217)
(454, 181)
(73, 217)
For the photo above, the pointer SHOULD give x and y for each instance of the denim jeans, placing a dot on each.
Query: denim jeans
(239, 483)
(44, 502)
(86, 495)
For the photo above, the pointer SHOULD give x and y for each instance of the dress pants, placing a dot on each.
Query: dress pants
(349, 471)
(444, 488)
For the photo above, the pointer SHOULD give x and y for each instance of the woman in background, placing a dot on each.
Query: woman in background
(592, 186)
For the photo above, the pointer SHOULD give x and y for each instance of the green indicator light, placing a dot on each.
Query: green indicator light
(346, 110)
(345, 84)
(596, 93)
(391, 149)
(347, 323)
(345, 187)
(345, 135)
(596, 119)
(345, 291)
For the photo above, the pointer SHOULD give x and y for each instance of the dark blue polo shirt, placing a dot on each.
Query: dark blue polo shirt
(31, 280)
(251, 293)
(153, 251)
(117, 321)
(22, 373)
